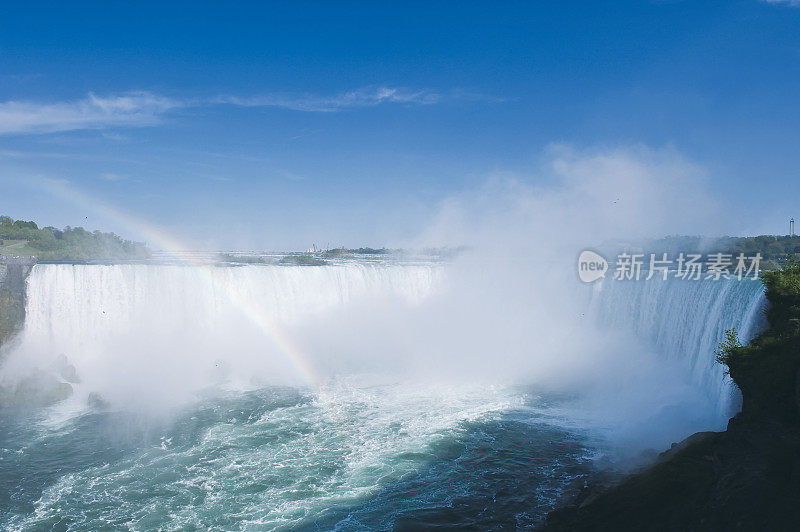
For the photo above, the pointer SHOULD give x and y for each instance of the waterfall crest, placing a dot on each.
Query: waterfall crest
(685, 321)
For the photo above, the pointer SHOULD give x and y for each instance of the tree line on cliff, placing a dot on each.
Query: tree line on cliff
(70, 243)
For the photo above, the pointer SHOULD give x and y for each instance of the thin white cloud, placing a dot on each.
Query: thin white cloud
(365, 97)
(793, 3)
(137, 109)
(92, 112)
(111, 176)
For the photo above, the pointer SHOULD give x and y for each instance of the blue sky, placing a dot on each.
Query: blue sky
(278, 125)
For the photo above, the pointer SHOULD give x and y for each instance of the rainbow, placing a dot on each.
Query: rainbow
(249, 308)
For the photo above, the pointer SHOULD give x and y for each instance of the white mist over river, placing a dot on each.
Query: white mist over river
(356, 394)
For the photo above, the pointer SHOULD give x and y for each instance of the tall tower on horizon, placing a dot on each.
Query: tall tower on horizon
(791, 227)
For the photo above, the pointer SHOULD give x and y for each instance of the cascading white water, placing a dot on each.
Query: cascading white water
(70, 305)
(156, 328)
(686, 321)
(174, 326)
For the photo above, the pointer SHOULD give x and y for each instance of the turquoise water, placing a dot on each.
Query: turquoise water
(278, 458)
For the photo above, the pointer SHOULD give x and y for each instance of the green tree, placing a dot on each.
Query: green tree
(728, 346)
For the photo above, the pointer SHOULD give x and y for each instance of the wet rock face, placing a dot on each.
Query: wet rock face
(13, 273)
(66, 370)
(34, 389)
(39, 389)
(96, 401)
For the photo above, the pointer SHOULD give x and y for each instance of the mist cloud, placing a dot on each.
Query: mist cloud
(579, 198)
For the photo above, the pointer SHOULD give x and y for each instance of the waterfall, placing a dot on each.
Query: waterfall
(71, 304)
(173, 325)
(685, 321)
(174, 329)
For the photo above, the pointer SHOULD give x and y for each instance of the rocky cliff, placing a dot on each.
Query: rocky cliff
(13, 273)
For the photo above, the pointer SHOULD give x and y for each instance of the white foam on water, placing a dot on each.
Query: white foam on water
(291, 463)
